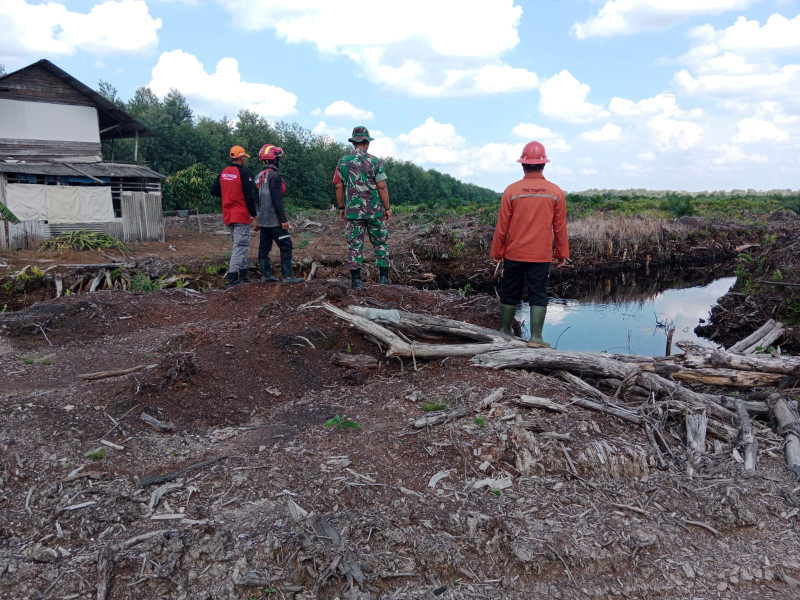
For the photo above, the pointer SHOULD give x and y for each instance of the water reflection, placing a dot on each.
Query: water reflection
(635, 326)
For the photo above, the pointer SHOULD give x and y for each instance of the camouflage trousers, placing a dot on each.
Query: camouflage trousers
(378, 236)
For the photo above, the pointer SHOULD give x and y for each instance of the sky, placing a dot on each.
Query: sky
(660, 94)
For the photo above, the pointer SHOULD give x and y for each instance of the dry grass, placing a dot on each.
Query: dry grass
(601, 233)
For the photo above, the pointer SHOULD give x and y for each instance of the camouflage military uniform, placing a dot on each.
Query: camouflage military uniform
(359, 172)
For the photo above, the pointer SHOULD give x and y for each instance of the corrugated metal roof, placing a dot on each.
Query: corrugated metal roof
(100, 169)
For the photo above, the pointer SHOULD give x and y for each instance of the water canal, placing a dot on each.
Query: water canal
(636, 326)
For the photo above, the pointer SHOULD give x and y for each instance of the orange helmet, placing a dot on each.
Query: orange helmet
(533, 154)
(238, 151)
(270, 152)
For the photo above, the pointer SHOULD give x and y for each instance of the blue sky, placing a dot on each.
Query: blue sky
(660, 94)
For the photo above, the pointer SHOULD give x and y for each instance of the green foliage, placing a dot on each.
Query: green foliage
(496, 492)
(98, 454)
(215, 269)
(84, 240)
(349, 348)
(770, 238)
(433, 406)
(303, 243)
(182, 270)
(480, 422)
(142, 283)
(777, 275)
(5, 308)
(37, 272)
(464, 291)
(678, 206)
(190, 188)
(340, 422)
(791, 315)
(27, 360)
(46, 361)
(6, 214)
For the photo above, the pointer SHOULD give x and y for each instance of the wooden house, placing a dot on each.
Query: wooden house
(52, 176)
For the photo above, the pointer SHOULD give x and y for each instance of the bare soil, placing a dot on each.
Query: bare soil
(245, 376)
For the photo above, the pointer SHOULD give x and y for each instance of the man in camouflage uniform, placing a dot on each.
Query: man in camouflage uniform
(363, 201)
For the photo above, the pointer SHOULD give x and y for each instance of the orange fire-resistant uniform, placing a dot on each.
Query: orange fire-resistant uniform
(533, 211)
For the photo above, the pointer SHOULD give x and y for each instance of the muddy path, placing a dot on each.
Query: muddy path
(244, 381)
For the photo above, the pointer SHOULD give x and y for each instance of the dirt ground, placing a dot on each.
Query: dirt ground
(576, 505)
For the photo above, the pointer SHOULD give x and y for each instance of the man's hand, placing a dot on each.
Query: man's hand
(341, 215)
(387, 214)
(285, 226)
(256, 226)
(561, 262)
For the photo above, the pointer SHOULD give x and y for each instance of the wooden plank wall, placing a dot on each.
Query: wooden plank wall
(114, 229)
(142, 219)
(154, 217)
(28, 234)
(3, 223)
(39, 85)
(42, 150)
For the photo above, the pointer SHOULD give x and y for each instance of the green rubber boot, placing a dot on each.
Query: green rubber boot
(538, 314)
(507, 312)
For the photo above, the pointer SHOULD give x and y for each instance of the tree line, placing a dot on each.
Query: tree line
(190, 151)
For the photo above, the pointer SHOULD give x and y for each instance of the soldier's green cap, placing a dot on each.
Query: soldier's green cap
(360, 134)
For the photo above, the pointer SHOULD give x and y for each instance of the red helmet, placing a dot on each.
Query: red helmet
(533, 154)
(270, 152)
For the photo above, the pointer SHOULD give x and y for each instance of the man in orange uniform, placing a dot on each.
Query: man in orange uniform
(532, 212)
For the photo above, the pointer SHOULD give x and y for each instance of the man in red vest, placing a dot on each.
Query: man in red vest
(235, 186)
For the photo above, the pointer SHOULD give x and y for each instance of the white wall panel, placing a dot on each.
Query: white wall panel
(43, 121)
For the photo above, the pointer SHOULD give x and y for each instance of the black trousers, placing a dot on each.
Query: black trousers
(515, 273)
(279, 235)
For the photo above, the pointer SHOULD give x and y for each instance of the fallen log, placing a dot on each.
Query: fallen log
(696, 357)
(785, 414)
(423, 325)
(767, 341)
(625, 415)
(753, 337)
(156, 424)
(727, 377)
(747, 438)
(696, 426)
(441, 417)
(538, 358)
(354, 361)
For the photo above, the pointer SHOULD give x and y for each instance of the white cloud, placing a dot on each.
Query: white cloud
(52, 29)
(420, 48)
(735, 155)
(549, 138)
(778, 33)
(769, 83)
(221, 91)
(648, 155)
(564, 97)
(345, 110)
(755, 129)
(608, 133)
(589, 171)
(671, 134)
(432, 133)
(741, 64)
(337, 133)
(626, 17)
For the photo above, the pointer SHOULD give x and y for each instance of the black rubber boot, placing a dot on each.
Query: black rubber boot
(286, 270)
(266, 271)
(384, 277)
(244, 276)
(355, 279)
(232, 278)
